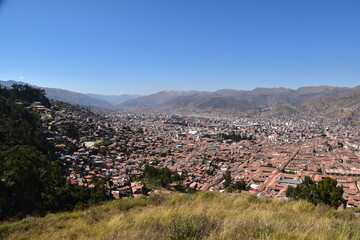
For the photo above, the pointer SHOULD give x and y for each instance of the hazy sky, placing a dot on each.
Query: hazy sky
(144, 46)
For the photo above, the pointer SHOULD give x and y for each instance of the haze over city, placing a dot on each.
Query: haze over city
(142, 47)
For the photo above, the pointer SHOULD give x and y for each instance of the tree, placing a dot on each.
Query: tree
(26, 93)
(325, 191)
(23, 188)
(306, 190)
(227, 178)
(31, 180)
(70, 129)
(240, 185)
(160, 177)
(329, 193)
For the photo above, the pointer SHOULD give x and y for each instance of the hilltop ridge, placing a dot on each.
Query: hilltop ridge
(72, 97)
(223, 99)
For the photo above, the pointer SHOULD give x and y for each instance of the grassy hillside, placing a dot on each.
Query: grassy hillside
(185, 216)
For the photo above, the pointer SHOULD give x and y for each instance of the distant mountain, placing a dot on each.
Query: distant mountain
(344, 105)
(209, 101)
(321, 90)
(66, 96)
(233, 99)
(75, 98)
(113, 99)
(7, 84)
(157, 99)
(335, 101)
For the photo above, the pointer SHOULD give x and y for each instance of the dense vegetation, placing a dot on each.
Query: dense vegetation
(32, 181)
(191, 216)
(229, 186)
(160, 177)
(325, 191)
(237, 137)
(26, 94)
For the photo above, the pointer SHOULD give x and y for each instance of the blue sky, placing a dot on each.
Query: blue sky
(145, 46)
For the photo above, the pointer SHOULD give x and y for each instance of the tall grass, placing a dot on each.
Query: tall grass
(191, 216)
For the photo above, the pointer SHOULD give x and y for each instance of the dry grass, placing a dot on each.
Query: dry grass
(191, 216)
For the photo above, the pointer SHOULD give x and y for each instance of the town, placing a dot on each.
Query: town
(263, 151)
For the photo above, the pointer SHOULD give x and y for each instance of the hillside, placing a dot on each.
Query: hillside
(191, 216)
(344, 105)
(93, 100)
(113, 99)
(32, 180)
(75, 98)
(333, 101)
(157, 99)
(64, 95)
(235, 99)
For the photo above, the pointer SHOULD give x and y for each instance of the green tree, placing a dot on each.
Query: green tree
(240, 185)
(227, 178)
(328, 192)
(22, 170)
(31, 180)
(160, 177)
(325, 191)
(26, 94)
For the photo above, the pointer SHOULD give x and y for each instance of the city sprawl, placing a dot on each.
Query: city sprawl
(266, 150)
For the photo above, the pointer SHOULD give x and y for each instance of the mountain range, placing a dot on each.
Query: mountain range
(241, 99)
(332, 100)
(87, 99)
